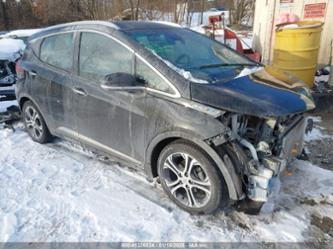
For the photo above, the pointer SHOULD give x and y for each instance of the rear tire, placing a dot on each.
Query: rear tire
(35, 124)
(190, 178)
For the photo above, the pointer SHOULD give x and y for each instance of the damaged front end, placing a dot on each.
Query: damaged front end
(264, 148)
(7, 73)
(10, 52)
(264, 112)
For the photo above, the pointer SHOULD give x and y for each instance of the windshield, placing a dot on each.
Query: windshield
(204, 58)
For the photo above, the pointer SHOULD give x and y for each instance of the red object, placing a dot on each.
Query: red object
(19, 70)
(230, 38)
(315, 10)
(252, 55)
(286, 18)
(214, 19)
(229, 35)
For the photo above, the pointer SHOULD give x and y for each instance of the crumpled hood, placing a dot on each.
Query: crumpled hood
(265, 93)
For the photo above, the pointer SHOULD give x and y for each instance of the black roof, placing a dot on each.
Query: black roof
(139, 25)
(116, 25)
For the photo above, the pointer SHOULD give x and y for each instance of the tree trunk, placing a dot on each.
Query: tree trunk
(137, 10)
(5, 16)
(175, 14)
(202, 11)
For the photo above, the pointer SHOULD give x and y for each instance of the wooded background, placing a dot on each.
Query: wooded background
(18, 14)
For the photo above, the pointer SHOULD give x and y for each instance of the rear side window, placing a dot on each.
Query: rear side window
(100, 56)
(57, 50)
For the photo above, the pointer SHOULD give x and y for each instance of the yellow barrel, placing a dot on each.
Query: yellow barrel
(296, 49)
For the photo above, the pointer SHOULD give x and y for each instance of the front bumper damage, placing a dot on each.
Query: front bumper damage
(265, 168)
(7, 73)
(292, 144)
(260, 163)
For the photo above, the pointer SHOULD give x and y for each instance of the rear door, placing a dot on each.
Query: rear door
(54, 77)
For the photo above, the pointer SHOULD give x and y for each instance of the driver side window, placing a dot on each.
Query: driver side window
(100, 56)
(154, 81)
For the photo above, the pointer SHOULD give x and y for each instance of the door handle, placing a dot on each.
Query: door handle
(32, 73)
(79, 91)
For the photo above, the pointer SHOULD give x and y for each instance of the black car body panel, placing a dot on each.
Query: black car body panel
(252, 96)
(134, 125)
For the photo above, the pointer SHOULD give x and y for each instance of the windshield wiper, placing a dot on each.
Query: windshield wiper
(226, 65)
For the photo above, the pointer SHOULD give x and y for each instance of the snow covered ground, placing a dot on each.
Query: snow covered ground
(62, 192)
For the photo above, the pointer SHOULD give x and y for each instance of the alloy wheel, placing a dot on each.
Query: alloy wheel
(33, 122)
(187, 180)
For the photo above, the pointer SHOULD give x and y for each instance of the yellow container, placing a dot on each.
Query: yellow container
(296, 49)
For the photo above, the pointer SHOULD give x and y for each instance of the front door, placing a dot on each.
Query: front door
(109, 120)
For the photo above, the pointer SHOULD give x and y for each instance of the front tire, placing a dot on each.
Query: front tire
(35, 124)
(190, 178)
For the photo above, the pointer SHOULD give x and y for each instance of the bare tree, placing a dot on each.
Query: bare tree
(38, 13)
(242, 10)
(153, 10)
(202, 9)
(4, 15)
(179, 9)
(189, 12)
(135, 8)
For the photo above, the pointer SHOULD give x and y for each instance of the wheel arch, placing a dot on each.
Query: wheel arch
(24, 98)
(158, 143)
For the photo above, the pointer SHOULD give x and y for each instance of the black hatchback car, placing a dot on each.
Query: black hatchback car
(212, 125)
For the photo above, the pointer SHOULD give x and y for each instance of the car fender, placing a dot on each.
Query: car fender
(229, 173)
(30, 98)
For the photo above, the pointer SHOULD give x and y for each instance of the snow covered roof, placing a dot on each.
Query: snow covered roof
(10, 49)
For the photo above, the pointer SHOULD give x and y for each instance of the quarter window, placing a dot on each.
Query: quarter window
(154, 81)
(57, 50)
(100, 56)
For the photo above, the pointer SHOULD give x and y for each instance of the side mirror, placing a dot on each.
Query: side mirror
(123, 82)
